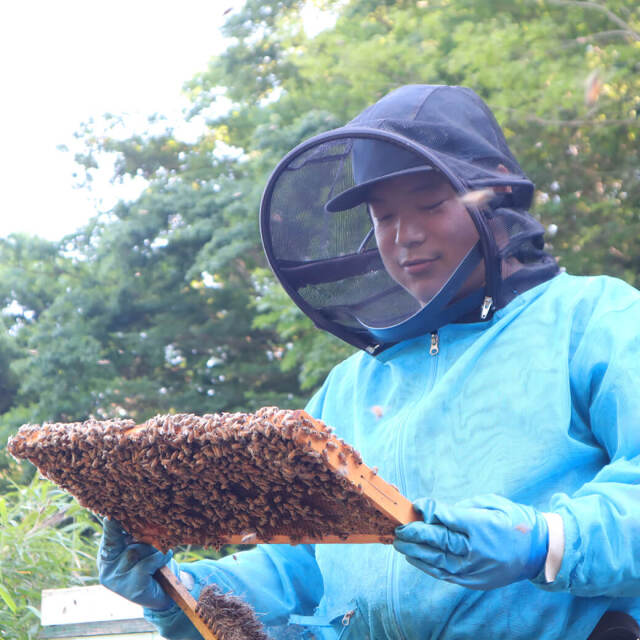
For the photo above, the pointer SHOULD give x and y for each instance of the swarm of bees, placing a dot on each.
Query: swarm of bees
(209, 480)
(228, 616)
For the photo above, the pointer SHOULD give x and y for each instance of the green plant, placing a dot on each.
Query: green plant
(47, 540)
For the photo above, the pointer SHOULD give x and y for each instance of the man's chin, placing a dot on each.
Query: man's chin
(424, 297)
(426, 294)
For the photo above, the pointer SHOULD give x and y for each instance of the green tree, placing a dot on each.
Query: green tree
(166, 304)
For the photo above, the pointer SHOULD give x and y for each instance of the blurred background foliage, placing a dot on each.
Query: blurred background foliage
(166, 303)
(46, 540)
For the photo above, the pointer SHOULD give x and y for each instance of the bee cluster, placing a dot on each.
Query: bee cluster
(228, 616)
(187, 479)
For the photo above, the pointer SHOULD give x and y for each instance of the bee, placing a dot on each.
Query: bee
(477, 198)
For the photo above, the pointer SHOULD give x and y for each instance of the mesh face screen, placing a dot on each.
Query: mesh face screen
(330, 258)
(520, 249)
(301, 229)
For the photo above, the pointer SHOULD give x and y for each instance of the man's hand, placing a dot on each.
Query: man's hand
(481, 543)
(127, 567)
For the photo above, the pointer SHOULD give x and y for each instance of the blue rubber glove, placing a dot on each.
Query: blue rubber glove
(481, 543)
(127, 567)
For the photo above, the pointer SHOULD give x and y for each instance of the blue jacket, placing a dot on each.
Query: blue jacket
(540, 405)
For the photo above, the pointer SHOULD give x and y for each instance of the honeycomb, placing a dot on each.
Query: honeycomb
(270, 476)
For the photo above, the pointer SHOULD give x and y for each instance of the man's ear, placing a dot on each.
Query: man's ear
(506, 188)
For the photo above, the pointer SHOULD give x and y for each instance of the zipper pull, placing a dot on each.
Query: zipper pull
(347, 618)
(486, 307)
(435, 344)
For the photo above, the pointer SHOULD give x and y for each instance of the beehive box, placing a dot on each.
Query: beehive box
(95, 613)
(274, 476)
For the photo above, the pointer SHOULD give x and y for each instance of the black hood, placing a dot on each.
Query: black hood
(458, 129)
(316, 231)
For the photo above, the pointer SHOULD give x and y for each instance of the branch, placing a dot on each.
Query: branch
(582, 123)
(601, 35)
(589, 4)
(576, 122)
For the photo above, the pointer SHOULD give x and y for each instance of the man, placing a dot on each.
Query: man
(506, 394)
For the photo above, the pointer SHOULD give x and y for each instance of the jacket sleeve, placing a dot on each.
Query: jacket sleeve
(602, 518)
(276, 580)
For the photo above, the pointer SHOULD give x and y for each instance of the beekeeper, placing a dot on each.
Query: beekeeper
(505, 393)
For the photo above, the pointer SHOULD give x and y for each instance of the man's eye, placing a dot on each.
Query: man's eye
(432, 206)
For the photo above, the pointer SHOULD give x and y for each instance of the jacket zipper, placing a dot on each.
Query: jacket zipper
(486, 307)
(434, 349)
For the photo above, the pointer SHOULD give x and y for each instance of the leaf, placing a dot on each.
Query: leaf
(4, 594)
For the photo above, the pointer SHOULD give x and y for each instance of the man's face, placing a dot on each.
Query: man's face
(423, 233)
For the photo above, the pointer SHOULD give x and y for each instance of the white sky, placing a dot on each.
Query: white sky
(63, 61)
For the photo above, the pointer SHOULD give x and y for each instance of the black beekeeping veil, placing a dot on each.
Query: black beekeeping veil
(317, 231)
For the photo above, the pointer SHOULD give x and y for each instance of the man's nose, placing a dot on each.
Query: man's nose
(410, 231)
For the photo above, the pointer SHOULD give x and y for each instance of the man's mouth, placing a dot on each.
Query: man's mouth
(417, 265)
